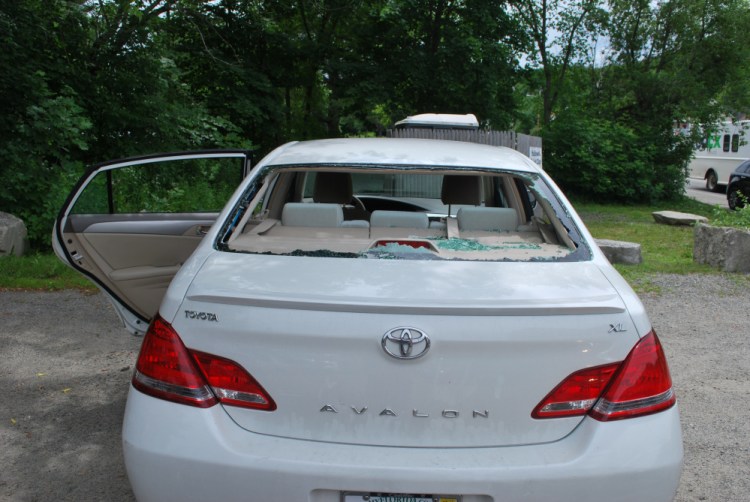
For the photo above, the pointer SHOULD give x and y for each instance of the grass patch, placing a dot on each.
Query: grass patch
(665, 248)
(739, 218)
(40, 272)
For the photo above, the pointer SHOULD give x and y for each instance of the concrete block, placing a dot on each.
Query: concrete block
(13, 235)
(628, 253)
(677, 218)
(724, 247)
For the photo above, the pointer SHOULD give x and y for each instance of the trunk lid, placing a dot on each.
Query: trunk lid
(311, 331)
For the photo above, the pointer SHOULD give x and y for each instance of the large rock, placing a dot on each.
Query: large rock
(628, 253)
(12, 235)
(677, 218)
(724, 247)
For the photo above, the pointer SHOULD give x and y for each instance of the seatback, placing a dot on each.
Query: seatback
(336, 188)
(399, 219)
(301, 214)
(489, 219)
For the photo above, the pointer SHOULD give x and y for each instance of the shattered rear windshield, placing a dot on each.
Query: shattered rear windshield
(405, 213)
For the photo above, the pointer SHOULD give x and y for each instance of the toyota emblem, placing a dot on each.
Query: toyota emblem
(405, 343)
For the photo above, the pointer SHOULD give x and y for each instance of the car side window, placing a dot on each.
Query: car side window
(169, 186)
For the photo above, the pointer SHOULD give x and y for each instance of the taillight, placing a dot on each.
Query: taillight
(576, 394)
(640, 385)
(232, 384)
(166, 369)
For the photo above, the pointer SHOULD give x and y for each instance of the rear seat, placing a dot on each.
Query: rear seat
(300, 214)
(487, 219)
(396, 224)
(399, 219)
(321, 226)
(310, 220)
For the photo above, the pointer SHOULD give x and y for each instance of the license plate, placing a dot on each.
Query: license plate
(397, 497)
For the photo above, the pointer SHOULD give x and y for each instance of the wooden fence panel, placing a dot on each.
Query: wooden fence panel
(528, 145)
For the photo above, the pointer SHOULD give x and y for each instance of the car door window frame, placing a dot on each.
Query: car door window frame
(146, 225)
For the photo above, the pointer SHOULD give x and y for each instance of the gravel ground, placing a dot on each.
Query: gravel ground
(702, 322)
(66, 364)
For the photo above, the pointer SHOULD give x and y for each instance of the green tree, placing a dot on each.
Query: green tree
(306, 69)
(442, 56)
(43, 127)
(139, 99)
(612, 134)
(560, 34)
(82, 82)
(687, 58)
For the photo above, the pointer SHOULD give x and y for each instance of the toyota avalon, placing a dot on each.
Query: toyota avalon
(372, 320)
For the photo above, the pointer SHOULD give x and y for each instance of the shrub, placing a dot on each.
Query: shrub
(607, 161)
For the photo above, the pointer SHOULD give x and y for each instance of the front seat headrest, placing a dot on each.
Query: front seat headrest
(333, 188)
(459, 189)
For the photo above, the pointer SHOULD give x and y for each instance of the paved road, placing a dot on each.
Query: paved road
(65, 368)
(696, 189)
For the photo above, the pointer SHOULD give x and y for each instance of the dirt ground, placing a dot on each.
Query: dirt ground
(66, 363)
(65, 367)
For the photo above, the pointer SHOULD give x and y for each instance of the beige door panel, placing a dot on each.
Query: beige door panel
(133, 246)
(123, 250)
(138, 267)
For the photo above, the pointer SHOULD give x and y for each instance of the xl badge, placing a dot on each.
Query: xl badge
(616, 328)
(405, 343)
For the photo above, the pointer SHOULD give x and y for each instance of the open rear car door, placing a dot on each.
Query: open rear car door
(129, 225)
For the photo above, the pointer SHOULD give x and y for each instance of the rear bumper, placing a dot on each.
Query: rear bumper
(174, 452)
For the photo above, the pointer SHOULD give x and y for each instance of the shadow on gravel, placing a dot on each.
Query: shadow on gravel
(65, 368)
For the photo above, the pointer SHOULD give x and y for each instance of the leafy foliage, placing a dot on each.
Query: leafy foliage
(611, 136)
(90, 80)
(85, 82)
(188, 186)
(558, 34)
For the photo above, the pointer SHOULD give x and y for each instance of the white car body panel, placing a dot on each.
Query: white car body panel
(486, 288)
(395, 152)
(518, 313)
(621, 461)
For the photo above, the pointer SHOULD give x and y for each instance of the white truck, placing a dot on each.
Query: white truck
(719, 153)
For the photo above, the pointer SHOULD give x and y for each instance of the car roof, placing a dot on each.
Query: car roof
(399, 152)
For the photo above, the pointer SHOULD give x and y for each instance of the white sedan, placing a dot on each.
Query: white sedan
(372, 320)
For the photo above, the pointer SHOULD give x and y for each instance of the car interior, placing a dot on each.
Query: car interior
(390, 214)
